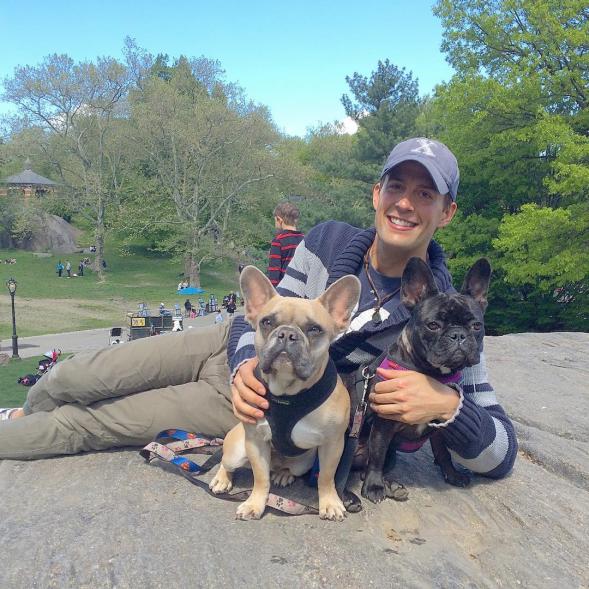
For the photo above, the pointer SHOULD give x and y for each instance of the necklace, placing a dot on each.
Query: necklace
(376, 318)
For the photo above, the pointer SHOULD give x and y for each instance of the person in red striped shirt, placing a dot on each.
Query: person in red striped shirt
(282, 248)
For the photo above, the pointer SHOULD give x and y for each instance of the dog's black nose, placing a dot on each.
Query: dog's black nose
(457, 335)
(287, 334)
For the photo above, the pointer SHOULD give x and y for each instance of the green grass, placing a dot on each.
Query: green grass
(13, 394)
(48, 304)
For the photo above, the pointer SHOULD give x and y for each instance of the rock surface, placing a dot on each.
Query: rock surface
(50, 233)
(111, 520)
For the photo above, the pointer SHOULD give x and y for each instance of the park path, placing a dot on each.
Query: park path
(79, 341)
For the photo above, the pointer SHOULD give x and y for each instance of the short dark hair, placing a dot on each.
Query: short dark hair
(288, 212)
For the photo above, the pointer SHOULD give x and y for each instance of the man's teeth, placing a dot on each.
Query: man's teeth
(401, 222)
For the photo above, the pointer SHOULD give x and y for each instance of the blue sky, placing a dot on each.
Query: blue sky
(293, 57)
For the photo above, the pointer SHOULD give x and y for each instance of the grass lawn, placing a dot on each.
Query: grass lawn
(48, 304)
(13, 394)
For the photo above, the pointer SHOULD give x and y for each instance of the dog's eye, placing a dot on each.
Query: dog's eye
(314, 330)
(433, 325)
(266, 322)
(477, 325)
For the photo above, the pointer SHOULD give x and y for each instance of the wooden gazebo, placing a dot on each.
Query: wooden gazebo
(28, 182)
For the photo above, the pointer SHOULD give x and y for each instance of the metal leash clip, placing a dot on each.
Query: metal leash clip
(362, 406)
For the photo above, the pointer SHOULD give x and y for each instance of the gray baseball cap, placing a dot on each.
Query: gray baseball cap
(434, 156)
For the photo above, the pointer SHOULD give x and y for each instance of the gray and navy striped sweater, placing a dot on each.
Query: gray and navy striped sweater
(481, 437)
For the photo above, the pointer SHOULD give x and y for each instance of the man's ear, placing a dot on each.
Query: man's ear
(257, 290)
(417, 283)
(448, 214)
(340, 299)
(476, 283)
(375, 195)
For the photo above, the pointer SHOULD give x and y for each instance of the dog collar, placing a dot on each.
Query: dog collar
(452, 378)
(285, 411)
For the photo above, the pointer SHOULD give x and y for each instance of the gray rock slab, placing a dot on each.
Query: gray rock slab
(111, 520)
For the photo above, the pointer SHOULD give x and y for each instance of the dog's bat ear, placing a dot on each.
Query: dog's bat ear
(476, 283)
(257, 290)
(417, 283)
(340, 299)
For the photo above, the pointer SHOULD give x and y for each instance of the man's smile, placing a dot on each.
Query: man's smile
(401, 223)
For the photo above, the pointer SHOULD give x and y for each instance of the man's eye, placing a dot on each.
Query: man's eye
(425, 194)
(433, 325)
(477, 325)
(314, 330)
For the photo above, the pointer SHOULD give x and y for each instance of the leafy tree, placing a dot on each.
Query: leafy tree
(201, 159)
(516, 116)
(77, 106)
(385, 106)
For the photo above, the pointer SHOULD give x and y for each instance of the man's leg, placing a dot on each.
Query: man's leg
(115, 371)
(132, 420)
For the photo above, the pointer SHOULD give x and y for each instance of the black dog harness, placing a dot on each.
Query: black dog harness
(285, 411)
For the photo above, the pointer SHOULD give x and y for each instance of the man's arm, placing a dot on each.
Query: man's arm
(481, 437)
(475, 427)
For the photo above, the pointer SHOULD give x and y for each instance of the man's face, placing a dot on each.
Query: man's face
(409, 209)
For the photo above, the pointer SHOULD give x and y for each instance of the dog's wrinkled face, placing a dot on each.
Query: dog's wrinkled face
(445, 332)
(293, 335)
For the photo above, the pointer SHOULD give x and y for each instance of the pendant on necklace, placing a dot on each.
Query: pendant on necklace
(376, 318)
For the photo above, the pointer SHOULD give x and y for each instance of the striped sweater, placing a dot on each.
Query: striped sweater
(282, 250)
(481, 437)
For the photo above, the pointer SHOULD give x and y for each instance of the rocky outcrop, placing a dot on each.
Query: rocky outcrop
(110, 520)
(49, 233)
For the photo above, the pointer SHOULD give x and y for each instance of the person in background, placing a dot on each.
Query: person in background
(231, 306)
(59, 268)
(282, 248)
(81, 268)
(68, 269)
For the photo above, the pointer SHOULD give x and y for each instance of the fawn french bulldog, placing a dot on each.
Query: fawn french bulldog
(309, 406)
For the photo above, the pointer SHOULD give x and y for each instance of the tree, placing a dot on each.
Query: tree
(526, 43)
(77, 105)
(516, 116)
(385, 106)
(201, 158)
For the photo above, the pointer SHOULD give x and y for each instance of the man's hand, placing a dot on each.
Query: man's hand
(247, 394)
(412, 397)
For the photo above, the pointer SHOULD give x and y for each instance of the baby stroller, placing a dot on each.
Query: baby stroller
(115, 336)
(46, 363)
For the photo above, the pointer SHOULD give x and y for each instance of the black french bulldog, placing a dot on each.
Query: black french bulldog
(443, 336)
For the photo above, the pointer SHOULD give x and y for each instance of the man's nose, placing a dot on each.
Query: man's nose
(404, 201)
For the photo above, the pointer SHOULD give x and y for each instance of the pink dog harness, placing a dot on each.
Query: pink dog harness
(414, 445)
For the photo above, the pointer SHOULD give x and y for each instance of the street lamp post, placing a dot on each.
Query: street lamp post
(11, 286)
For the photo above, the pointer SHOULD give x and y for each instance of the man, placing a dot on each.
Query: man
(155, 383)
(285, 242)
(416, 195)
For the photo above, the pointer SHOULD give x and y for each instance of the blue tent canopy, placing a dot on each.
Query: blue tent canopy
(190, 290)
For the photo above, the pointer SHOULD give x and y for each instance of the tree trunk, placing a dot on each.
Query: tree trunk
(99, 236)
(192, 270)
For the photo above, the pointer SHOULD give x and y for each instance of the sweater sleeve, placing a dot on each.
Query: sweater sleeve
(275, 262)
(482, 437)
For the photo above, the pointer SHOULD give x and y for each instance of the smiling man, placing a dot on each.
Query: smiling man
(415, 196)
(125, 395)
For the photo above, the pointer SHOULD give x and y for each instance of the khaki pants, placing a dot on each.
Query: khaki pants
(124, 395)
